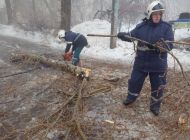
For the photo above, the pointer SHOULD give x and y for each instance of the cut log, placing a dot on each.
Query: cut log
(63, 65)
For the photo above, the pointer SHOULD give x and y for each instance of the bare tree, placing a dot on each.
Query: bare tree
(34, 12)
(65, 14)
(9, 11)
(50, 10)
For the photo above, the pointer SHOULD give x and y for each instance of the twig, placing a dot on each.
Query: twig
(7, 102)
(178, 42)
(181, 67)
(80, 130)
(22, 72)
(46, 88)
(100, 90)
(76, 110)
(67, 102)
(67, 135)
(133, 38)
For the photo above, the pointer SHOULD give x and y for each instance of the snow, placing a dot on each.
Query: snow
(36, 37)
(182, 33)
(100, 46)
(183, 56)
(18, 33)
(123, 53)
(2, 4)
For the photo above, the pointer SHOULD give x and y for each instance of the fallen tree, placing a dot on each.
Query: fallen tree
(63, 65)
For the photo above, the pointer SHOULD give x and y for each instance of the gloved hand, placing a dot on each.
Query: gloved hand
(151, 46)
(121, 35)
(68, 56)
(160, 45)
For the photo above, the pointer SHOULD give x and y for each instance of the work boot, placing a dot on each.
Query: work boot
(127, 102)
(155, 111)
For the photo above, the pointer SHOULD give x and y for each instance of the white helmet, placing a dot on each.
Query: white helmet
(154, 7)
(61, 34)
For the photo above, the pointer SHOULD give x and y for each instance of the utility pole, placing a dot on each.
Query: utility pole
(65, 14)
(114, 23)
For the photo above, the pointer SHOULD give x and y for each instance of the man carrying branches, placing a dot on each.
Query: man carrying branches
(150, 60)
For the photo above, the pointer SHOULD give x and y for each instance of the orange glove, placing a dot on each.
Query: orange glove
(68, 56)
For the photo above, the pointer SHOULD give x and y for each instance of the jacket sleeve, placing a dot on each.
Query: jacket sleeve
(169, 35)
(67, 48)
(133, 33)
(126, 36)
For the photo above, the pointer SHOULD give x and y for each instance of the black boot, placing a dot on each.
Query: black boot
(155, 111)
(127, 102)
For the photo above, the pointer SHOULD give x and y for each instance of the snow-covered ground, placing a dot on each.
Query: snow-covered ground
(18, 33)
(182, 33)
(123, 53)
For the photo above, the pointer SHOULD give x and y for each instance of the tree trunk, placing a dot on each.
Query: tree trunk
(65, 14)
(34, 24)
(63, 65)
(53, 17)
(9, 11)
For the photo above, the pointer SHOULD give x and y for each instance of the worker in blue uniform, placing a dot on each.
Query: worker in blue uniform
(75, 40)
(150, 60)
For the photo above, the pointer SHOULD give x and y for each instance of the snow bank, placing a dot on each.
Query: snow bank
(183, 56)
(182, 33)
(36, 37)
(99, 49)
(18, 33)
(100, 46)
